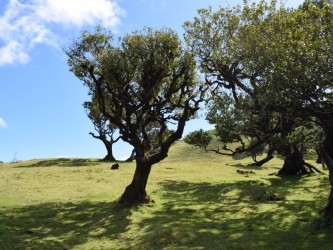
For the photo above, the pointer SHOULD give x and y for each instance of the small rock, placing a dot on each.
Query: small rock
(115, 166)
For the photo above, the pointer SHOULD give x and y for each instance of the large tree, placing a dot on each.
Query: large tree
(280, 58)
(228, 47)
(309, 70)
(143, 84)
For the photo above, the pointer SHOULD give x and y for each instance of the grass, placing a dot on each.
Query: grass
(202, 202)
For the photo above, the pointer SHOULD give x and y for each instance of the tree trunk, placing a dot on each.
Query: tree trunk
(262, 162)
(135, 193)
(328, 214)
(293, 163)
(268, 157)
(108, 145)
(327, 155)
(320, 159)
(109, 156)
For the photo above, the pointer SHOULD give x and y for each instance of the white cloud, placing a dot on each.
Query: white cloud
(79, 12)
(13, 52)
(26, 23)
(3, 124)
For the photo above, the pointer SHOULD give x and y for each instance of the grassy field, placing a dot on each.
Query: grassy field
(202, 201)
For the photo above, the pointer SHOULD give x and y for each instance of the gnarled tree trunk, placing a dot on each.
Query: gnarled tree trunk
(109, 156)
(293, 163)
(327, 154)
(320, 159)
(268, 157)
(136, 191)
(108, 145)
(262, 162)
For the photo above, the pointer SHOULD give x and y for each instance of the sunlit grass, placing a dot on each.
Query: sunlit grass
(201, 202)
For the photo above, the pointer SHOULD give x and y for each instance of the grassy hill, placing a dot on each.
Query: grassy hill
(203, 201)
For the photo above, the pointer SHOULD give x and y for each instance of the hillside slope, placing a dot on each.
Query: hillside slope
(202, 201)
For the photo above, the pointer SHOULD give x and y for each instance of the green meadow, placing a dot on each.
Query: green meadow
(202, 201)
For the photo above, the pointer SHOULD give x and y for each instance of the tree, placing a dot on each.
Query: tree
(310, 74)
(279, 58)
(199, 139)
(145, 83)
(226, 44)
(242, 52)
(318, 3)
(102, 126)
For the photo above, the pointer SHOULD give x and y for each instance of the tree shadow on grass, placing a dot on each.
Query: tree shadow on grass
(245, 166)
(225, 216)
(63, 162)
(62, 225)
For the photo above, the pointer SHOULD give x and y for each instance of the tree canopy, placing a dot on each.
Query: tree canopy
(199, 138)
(276, 65)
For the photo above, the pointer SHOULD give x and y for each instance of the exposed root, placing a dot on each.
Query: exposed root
(245, 172)
(312, 168)
(268, 196)
(132, 200)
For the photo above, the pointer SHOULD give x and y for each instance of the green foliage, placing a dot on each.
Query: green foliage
(274, 62)
(307, 135)
(318, 3)
(141, 85)
(255, 149)
(199, 138)
(105, 129)
(228, 121)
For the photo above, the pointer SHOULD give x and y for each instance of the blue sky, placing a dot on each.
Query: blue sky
(41, 113)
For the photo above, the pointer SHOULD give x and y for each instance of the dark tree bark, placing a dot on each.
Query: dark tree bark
(262, 162)
(327, 154)
(320, 159)
(109, 156)
(319, 156)
(293, 163)
(268, 157)
(108, 145)
(135, 193)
